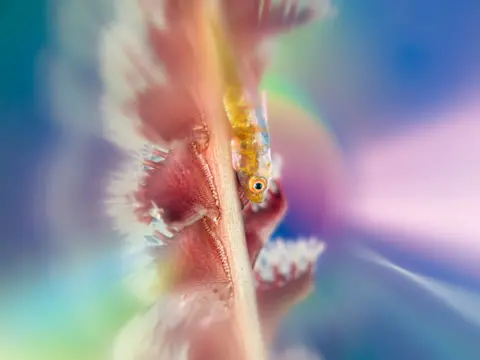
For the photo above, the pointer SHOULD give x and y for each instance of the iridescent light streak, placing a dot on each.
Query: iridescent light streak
(424, 184)
(464, 302)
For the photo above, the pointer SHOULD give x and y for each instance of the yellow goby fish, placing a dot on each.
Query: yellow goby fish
(246, 111)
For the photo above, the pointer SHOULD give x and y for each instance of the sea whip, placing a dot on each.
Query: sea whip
(185, 192)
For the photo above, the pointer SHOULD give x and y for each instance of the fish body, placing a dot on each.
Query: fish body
(248, 26)
(246, 111)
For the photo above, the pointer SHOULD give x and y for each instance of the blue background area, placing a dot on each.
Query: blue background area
(417, 54)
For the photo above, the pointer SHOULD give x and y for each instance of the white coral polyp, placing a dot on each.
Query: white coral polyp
(288, 258)
(128, 66)
(140, 238)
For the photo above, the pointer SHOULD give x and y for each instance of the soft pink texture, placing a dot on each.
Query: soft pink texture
(424, 185)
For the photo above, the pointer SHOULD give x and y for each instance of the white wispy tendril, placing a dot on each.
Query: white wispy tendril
(123, 78)
(150, 335)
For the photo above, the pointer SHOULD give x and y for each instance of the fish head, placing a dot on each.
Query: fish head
(255, 188)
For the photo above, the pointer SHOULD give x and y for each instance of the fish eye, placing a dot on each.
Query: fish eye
(257, 184)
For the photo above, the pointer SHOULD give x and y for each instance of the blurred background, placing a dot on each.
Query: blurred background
(376, 112)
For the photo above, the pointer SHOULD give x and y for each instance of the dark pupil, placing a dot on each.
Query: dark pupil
(258, 186)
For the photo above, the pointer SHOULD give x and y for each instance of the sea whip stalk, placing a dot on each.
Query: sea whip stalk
(246, 326)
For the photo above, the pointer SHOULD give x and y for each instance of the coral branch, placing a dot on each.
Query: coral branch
(245, 321)
(232, 232)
